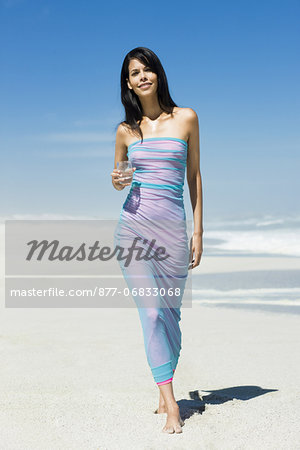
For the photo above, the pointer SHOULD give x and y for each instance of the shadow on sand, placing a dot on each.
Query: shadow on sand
(198, 400)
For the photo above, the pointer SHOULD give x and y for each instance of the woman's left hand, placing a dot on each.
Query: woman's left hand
(196, 250)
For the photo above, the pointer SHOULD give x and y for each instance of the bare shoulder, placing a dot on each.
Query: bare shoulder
(124, 134)
(188, 119)
(188, 114)
(122, 131)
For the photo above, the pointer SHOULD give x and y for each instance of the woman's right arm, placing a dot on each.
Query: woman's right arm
(120, 155)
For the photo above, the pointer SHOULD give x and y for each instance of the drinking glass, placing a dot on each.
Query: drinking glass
(126, 171)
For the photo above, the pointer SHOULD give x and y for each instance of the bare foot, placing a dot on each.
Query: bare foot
(161, 406)
(174, 421)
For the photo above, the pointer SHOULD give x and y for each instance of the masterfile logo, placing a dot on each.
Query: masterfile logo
(95, 263)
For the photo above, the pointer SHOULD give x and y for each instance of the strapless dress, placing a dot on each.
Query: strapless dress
(153, 211)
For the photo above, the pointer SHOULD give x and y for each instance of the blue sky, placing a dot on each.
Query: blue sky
(235, 63)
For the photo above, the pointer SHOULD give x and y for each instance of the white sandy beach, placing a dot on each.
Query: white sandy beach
(79, 379)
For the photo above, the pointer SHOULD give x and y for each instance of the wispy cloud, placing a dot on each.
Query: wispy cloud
(110, 122)
(77, 154)
(47, 216)
(110, 119)
(76, 137)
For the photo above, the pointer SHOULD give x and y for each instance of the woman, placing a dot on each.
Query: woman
(160, 139)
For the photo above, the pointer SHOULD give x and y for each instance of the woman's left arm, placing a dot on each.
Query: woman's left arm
(195, 183)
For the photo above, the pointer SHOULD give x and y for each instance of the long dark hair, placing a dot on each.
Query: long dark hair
(131, 102)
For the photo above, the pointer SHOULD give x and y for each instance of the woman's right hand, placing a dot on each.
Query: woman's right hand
(116, 178)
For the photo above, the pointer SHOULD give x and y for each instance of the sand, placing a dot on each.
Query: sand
(79, 379)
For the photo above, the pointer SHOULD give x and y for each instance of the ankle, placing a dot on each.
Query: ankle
(172, 407)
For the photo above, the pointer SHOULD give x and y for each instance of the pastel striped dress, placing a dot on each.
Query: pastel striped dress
(154, 212)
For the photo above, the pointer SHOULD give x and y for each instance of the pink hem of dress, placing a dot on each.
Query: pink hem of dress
(167, 381)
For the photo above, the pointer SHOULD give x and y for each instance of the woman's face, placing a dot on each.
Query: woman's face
(141, 78)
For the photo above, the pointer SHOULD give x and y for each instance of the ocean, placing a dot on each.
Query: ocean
(264, 289)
